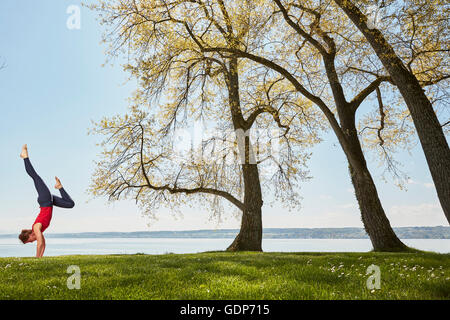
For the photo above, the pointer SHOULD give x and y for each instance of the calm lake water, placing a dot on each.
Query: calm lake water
(10, 247)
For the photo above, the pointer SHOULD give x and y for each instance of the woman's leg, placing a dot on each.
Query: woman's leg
(65, 201)
(44, 195)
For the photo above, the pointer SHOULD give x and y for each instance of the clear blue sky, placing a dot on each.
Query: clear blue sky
(54, 85)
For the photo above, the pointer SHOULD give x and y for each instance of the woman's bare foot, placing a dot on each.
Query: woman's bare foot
(58, 183)
(24, 153)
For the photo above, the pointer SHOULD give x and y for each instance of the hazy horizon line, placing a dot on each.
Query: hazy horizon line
(225, 229)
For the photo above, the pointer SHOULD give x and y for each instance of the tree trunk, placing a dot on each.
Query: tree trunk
(374, 219)
(428, 128)
(250, 234)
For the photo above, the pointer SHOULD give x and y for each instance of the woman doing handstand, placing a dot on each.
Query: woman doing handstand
(46, 202)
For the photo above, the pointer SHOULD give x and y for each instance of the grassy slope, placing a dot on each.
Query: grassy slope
(223, 275)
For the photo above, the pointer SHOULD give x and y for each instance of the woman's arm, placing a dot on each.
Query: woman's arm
(40, 248)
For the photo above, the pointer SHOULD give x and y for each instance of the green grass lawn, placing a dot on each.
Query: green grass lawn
(225, 275)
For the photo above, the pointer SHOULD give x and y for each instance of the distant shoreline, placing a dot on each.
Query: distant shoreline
(439, 232)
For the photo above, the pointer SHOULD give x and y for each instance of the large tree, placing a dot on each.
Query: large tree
(423, 32)
(300, 16)
(179, 84)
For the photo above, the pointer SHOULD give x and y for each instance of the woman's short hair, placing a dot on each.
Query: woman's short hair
(24, 235)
